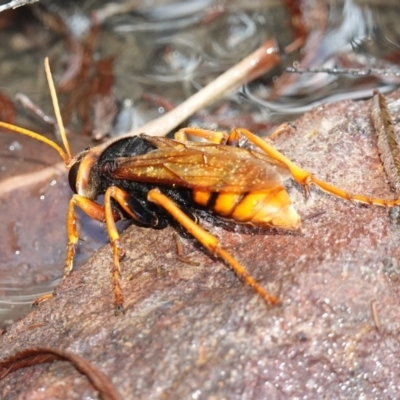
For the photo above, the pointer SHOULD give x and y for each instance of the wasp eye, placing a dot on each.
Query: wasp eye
(73, 175)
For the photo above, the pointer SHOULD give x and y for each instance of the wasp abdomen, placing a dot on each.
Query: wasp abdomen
(267, 207)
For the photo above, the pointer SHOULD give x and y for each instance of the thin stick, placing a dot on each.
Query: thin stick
(15, 4)
(375, 316)
(40, 355)
(254, 65)
(345, 71)
(111, 9)
(388, 146)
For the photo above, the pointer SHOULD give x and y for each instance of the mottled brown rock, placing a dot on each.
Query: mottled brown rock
(197, 332)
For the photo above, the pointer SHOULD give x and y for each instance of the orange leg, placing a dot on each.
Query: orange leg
(93, 210)
(305, 178)
(301, 176)
(209, 241)
(121, 197)
(217, 137)
(211, 136)
(99, 213)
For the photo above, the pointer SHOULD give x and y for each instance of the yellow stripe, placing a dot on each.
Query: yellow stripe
(201, 197)
(250, 205)
(267, 208)
(225, 203)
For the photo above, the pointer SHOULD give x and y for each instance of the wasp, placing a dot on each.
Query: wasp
(156, 181)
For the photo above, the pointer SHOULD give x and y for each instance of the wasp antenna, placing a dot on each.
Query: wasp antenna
(66, 156)
(57, 111)
(36, 136)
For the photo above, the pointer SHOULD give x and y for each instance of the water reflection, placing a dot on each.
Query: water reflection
(174, 60)
(355, 35)
(233, 36)
(348, 34)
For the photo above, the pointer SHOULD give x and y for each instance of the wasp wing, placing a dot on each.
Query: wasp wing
(211, 167)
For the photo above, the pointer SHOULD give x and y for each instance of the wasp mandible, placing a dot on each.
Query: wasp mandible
(155, 181)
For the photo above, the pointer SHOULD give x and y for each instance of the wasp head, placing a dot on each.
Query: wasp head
(84, 174)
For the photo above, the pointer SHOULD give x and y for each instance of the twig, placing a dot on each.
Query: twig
(40, 355)
(251, 67)
(112, 9)
(16, 3)
(388, 147)
(375, 317)
(345, 71)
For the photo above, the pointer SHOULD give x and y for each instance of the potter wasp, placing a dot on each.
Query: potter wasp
(155, 181)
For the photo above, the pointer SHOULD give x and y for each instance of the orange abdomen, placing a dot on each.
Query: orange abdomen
(267, 207)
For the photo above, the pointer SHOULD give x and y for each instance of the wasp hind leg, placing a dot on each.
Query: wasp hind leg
(218, 137)
(305, 178)
(209, 241)
(212, 136)
(301, 176)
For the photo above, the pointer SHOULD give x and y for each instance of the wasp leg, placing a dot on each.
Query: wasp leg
(211, 136)
(209, 241)
(218, 137)
(234, 138)
(123, 199)
(305, 178)
(90, 208)
(93, 210)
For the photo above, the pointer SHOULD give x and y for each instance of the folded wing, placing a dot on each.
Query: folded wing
(211, 167)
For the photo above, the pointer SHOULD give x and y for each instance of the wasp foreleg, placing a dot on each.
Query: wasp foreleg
(93, 210)
(209, 241)
(90, 208)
